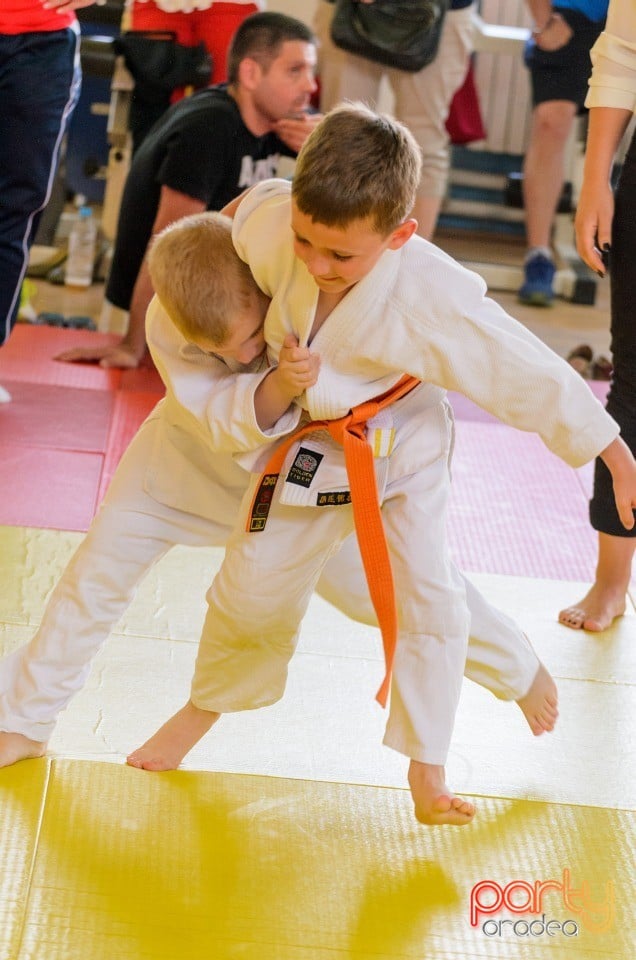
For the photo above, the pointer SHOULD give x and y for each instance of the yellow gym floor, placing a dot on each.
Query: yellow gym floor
(289, 835)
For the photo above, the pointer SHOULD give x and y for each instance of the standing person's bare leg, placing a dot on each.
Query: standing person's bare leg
(606, 598)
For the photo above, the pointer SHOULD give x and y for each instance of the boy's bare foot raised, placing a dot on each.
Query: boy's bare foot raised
(434, 803)
(169, 745)
(598, 609)
(539, 706)
(14, 747)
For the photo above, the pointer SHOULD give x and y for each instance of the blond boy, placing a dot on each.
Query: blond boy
(178, 483)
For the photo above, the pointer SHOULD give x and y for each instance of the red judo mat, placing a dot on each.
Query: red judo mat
(516, 509)
(65, 429)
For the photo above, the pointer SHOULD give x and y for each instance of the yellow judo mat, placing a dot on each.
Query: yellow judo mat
(289, 835)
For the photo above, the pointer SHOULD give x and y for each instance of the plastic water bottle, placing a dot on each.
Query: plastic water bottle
(81, 250)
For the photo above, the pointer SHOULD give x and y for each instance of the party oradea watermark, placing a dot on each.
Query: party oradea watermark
(542, 908)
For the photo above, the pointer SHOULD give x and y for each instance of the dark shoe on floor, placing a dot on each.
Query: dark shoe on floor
(51, 319)
(581, 359)
(601, 369)
(538, 279)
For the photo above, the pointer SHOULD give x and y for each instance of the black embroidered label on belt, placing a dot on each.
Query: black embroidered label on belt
(303, 469)
(262, 503)
(335, 498)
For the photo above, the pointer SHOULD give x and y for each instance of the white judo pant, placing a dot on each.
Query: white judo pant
(260, 595)
(129, 534)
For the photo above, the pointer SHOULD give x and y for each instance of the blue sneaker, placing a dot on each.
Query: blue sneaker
(537, 287)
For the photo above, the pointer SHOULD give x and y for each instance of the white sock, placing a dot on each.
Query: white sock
(535, 251)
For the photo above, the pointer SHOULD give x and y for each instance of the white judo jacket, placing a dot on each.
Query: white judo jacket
(418, 312)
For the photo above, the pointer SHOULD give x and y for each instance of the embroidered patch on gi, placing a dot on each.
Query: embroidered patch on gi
(262, 503)
(303, 469)
(335, 498)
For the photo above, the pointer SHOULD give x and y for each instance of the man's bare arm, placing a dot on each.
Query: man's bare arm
(65, 6)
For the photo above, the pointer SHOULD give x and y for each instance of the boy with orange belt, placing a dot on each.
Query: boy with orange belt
(337, 254)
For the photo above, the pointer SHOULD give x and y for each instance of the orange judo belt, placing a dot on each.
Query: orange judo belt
(350, 432)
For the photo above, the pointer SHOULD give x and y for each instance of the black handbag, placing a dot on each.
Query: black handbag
(158, 65)
(397, 33)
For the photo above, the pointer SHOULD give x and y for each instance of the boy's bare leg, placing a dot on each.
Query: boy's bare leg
(434, 803)
(539, 705)
(605, 600)
(170, 744)
(14, 747)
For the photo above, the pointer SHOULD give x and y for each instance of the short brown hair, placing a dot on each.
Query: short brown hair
(260, 37)
(357, 164)
(199, 277)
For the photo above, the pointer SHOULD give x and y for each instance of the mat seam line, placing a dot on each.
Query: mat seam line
(36, 847)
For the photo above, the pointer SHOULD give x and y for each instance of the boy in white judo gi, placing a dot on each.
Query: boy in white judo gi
(178, 483)
(337, 254)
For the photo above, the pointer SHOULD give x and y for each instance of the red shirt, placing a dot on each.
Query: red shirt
(29, 16)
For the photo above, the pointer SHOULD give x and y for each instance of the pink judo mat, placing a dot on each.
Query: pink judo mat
(516, 509)
(65, 429)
